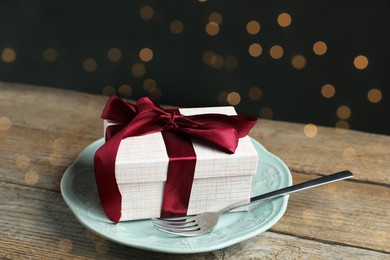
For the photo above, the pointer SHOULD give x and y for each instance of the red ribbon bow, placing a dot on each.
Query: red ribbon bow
(147, 117)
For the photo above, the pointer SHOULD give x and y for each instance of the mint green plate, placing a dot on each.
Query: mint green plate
(78, 189)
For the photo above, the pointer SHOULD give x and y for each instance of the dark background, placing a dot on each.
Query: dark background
(180, 70)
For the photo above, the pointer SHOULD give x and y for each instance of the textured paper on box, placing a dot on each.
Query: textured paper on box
(143, 200)
(220, 178)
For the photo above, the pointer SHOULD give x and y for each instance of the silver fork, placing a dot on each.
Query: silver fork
(205, 222)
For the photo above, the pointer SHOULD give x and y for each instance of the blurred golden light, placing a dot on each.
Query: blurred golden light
(149, 85)
(138, 70)
(266, 113)
(109, 90)
(253, 27)
(255, 93)
(5, 123)
(284, 19)
(146, 54)
(125, 90)
(114, 54)
(233, 98)
(31, 177)
(231, 63)
(155, 93)
(343, 112)
(207, 57)
(342, 124)
(320, 48)
(276, 52)
(8, 55)
(23, 162)
(215, 17)
(146, 12)
(360, 62)
(328, 90)
(298, 62)
(310, 130)
(349, 153)
(217, 61)
(374, 95)
(50, 55)
(212, 28)
(176, 27)
(222, 98)
(89, 65)
(255, 50)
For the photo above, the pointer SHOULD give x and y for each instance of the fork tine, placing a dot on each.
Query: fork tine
(179, 221)
(175, 225)
(189, 227)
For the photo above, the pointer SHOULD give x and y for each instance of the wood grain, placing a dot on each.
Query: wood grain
(38, 225)
(366, 155)
(49, 127)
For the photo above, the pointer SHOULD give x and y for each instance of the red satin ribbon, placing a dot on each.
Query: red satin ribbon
(148, 117)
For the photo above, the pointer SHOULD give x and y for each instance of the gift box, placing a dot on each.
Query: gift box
(143, 166)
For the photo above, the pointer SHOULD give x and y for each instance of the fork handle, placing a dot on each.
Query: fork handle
(294, 188)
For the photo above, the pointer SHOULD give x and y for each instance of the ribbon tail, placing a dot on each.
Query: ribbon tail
(104, 163)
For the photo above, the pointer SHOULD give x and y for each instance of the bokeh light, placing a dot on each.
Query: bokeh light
(328, 90)
(310, 130)
(216, 17)
(89, 65)
(374, 95)
(276, 52)
(146, 54)
(149, 85)
(212, 28)
(5, 123)
(320, 48)
(233, 98)
(255, 93)
(298, 62)
(255, 49)
(109, 90)
(146, 12)
(176, 27)
(343, 112)
(50, 55)
(114, 54)
(360, 62)
(253, 27)
(217, 61)
(138, 70)
(284, 19)
(8, 55)
(342, 125)
(125, 90)
(266, 112)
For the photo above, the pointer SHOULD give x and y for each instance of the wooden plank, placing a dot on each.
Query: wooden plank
(42, 142)
(349, 212)
(366, 155)
(36, 157)
(38, 225)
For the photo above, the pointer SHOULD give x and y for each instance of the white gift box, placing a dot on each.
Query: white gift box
(219, 180)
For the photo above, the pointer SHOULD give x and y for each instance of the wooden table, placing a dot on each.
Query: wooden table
(42, 130)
